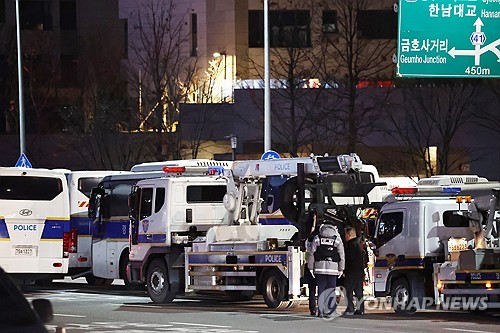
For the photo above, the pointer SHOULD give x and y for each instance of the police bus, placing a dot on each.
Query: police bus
(79, 241)
(34, 221)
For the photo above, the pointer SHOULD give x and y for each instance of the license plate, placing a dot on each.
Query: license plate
(26, 251)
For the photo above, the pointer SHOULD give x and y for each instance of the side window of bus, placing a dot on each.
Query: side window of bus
(389, 226)
(146, 205)
(159, 199)
(86, 184)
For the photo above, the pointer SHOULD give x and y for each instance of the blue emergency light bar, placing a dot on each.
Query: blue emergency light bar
(426, 190)
(451, 190)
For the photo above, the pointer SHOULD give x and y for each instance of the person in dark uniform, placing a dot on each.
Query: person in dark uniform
(308, 273)
(353, 273)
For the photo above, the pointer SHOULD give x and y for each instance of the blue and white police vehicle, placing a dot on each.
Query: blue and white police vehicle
(34, 223)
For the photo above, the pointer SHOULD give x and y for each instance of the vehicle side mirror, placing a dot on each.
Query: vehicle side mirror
(105, 206)
(94, 192)
(43, 308)
(133, 205)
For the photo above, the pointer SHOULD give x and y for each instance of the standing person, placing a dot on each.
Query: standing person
(328, 252)
(308, 273)
(354, 273)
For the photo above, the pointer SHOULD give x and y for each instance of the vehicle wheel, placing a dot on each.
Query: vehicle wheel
(157, 282)
(124, 260)
(401, 297)
(274, 289)
(240, 295)
(97, 281)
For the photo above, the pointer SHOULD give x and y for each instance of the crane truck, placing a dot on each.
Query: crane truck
(432, 251)
(201, 233)
(472, 273)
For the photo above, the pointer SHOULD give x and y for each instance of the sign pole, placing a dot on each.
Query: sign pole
(22, 145)
(267, 89)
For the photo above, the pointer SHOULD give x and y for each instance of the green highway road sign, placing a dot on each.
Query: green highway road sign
(449, 38)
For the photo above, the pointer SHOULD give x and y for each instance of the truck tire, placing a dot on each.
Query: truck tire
(401, 297)
(157, 282)
(124, 260)
(274, 289)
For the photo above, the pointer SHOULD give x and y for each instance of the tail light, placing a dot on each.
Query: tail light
(69, 242)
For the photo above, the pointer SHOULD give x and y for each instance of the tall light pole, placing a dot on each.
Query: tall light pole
(22, 145)
(267, 88)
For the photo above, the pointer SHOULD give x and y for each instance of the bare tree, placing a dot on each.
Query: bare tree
(167, 70)
(8, 80)
(296, 88)
(105, 141)
(432, 116)
(491, 119)
(41, 78)
(100, 124)
(205, 87)
(352, 55)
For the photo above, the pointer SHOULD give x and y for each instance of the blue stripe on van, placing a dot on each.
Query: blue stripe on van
(114, 229)
(54, 229)
(4, 233)
(117, 229)
(82, 224)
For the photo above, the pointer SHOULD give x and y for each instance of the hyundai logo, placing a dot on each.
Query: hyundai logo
(25, 212)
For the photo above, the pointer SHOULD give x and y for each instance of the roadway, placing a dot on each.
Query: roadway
(82, 308)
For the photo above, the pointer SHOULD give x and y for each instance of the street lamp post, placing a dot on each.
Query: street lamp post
(22, 144)
(234, 144)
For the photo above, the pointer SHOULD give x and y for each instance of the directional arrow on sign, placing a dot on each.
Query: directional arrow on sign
(478, 49)
(478, 24)
(490, 47)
